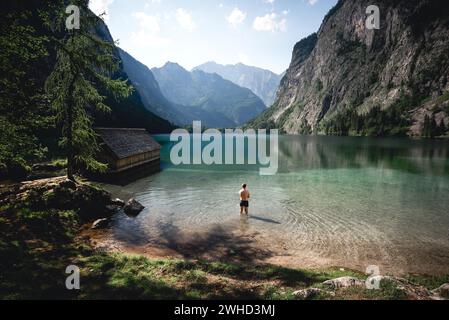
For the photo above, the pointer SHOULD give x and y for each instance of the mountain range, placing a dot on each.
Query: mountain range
(263, 83)
(344, 79)
(350, 80)
(207, 97)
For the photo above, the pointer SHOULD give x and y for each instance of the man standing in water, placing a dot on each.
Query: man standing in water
(244, 199)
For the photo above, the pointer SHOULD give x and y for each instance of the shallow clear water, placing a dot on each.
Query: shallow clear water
(336, 201)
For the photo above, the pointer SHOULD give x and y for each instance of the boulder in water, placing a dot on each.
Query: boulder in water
(133, 207)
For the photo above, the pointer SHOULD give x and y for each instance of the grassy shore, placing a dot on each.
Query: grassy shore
(37, 246)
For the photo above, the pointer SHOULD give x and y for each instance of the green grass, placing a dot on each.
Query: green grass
(60, 163)
(388, 291)
(428, 281)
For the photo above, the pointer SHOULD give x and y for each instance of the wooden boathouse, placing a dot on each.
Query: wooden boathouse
(126, 149)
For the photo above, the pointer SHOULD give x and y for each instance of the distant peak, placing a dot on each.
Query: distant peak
(173, 66)
(211, 62)
(170, 63)
(212, 66)
(206, 64)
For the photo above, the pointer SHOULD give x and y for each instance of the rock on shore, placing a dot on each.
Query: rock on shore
(61, 193)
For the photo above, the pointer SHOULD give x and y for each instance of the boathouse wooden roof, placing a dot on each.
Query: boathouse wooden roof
(127, 142)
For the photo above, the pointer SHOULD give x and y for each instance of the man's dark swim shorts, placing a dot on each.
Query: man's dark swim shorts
(244, 203)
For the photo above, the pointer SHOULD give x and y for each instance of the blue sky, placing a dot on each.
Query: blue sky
(260, 33)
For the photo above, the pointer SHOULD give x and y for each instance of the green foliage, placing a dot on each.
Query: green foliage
(388, 291)
(284, 117)
(304, 47)
(442, 129)
(347, 45)
(84, 63)
(264, 120)
(430, 127)
(305, 127)
(428, 281)
(22, 102)
(443, 98)
(393, 121)
(59, 163)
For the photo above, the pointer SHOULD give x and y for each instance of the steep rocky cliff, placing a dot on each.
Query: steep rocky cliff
(347, 79)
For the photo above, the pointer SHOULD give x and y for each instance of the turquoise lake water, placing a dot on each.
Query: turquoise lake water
(335, 201)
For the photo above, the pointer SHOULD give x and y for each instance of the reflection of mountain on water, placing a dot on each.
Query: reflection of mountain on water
(321, 152)
(297, 153)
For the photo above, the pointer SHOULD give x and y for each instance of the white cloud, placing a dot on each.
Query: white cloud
(148, 22)
(149, 33)
(269, 1)
(236, 17)
(270, 22)
(100, 6)
(285, 12)
(145, 39)
(221, 5)
(312, 2)
(185, 20)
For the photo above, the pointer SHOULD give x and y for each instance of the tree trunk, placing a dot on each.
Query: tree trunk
(70, 152)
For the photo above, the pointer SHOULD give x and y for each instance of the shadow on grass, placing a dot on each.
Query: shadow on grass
(36, 248)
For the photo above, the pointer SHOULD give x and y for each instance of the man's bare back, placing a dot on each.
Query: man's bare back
(244, 195)
(244, 199)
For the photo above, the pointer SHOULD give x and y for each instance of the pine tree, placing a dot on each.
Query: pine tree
(433, 128)
(23, 110)
(426, 125)
(442, 128)
(84, 63)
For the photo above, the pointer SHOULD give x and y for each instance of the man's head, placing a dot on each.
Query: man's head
(244, 186)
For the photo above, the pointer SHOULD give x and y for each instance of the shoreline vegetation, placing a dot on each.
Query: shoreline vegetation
(41, 234)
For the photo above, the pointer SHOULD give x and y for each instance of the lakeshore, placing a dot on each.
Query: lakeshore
(39, 240)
